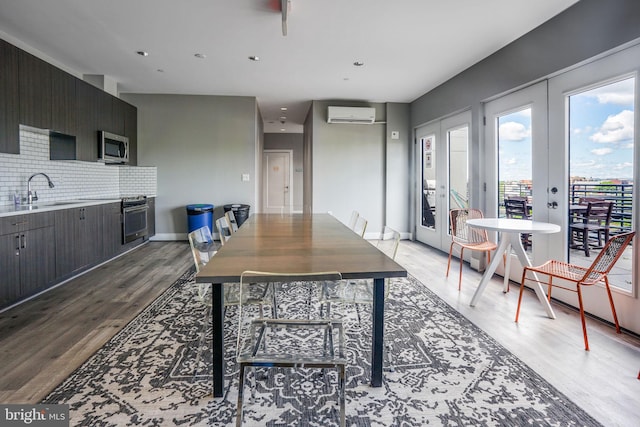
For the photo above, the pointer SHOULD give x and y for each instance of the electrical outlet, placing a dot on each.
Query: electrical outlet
(395, 134)
(245, 177)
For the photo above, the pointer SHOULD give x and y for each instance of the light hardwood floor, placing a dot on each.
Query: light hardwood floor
(42, 341)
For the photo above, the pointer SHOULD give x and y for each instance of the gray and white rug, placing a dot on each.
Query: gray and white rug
(447, 372)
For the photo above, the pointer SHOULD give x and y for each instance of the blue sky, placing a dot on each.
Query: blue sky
(601, 135)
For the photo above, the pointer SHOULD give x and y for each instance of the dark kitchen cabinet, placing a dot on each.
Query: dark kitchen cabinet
(131, 131)
(27, 256)
(110, 113)
(9, 99)
(78, 239)
(87, 121)
(112, 229)
(151, 216)
(63, 102)
(35, 85)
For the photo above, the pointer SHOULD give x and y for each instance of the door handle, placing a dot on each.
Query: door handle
(552, 205)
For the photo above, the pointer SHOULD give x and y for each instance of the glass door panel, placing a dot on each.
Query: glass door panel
(601, 165)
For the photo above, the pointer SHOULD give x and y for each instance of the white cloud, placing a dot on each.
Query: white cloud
(511, 161)
(601, 151)
(513, 131)
(619, 93)
(615, 128)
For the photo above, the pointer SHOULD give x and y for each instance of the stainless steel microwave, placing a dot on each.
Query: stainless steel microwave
(113, 148)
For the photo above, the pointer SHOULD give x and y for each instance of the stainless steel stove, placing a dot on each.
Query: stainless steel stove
(134, 218)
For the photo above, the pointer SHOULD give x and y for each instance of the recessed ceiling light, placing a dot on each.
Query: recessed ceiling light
(142, 53)
(282, 129)
(254, 58)
(200, 55)
(358, 63)
(283, 117)
(283, 108)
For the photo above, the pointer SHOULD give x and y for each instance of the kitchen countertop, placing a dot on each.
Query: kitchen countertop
(53, 206)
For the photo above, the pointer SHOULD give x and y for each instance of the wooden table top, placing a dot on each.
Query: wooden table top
(297, 243)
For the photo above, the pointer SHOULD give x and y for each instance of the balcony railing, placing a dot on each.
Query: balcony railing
(620, 194)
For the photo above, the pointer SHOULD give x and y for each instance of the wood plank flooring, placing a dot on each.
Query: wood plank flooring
(42, 341)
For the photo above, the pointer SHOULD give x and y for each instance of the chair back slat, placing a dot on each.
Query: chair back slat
(607, 257)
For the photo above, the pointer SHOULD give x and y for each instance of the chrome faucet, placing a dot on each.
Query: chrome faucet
(31, 197)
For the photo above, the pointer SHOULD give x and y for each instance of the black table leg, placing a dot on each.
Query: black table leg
(217, 320)
(377, 335)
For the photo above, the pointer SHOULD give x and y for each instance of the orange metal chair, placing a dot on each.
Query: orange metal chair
(467, 237)
(597, 272)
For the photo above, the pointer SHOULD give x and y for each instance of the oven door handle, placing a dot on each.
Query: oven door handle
(135, 208)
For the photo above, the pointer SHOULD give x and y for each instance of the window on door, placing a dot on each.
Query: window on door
(514, 164)
(428, 181)
(601, 153)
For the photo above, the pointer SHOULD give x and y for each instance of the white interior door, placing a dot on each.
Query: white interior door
(277, 192)
(442, 178)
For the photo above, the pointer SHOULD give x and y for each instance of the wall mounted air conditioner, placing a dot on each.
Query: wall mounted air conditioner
(355, 115)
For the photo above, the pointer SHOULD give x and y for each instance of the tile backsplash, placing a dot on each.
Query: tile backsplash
(72, 179)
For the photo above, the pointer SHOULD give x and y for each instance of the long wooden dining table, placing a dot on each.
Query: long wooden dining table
(297, 243)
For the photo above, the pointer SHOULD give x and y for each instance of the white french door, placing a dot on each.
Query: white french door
(593, 120)
(517, 164)
(442, 176)
(569, 136)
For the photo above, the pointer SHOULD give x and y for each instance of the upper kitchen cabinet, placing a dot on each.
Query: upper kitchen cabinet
(110, 113)
(63, 102)
(87, 117)
(35, 83)
(9, 99)
(131, 131)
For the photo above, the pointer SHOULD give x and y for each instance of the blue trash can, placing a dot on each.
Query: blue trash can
(200, 215)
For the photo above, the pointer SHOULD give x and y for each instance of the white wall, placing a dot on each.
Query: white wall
(201, 146)
(72, 179)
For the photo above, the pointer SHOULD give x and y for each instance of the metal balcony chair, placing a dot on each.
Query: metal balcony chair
(595, 221)
(579, 276)
(288, 342)
(518, 207)
(467, 237)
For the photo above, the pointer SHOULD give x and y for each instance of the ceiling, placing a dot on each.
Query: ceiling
(408, 47)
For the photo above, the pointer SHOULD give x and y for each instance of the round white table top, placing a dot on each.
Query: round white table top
(514, 225)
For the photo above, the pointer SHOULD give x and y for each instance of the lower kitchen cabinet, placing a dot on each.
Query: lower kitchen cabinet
(112, 229)
(78, 239)
(27, 256)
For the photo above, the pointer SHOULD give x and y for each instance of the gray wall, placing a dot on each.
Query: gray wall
(201, 146)
(290, 141)
(586, 29)
(398, 168)
(348, 166)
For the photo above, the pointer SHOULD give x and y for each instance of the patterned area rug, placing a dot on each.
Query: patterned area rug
(446, 372)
